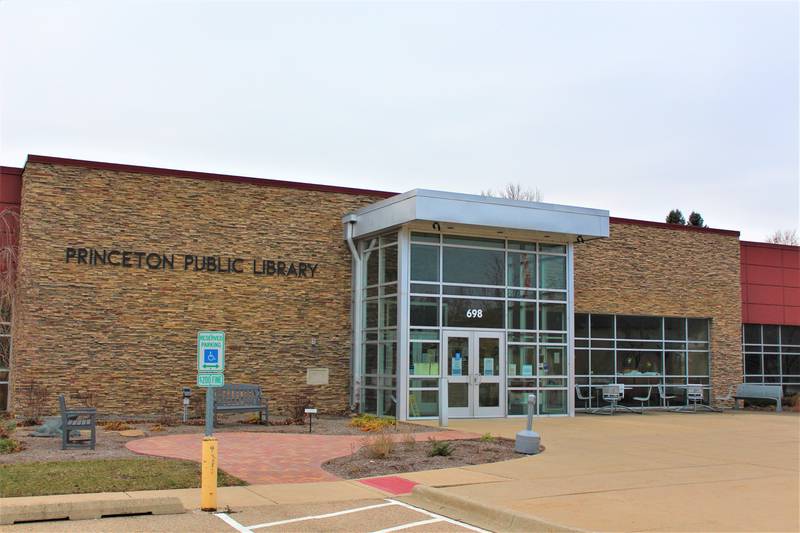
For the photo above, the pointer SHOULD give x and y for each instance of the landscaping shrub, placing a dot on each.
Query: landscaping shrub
(7, 444)
(408, 440)
(380, 446)
(487, 437)
(440, 448)
(115, 425)
(34, 398)
(367, 422)
(254, 418)
(6, 429)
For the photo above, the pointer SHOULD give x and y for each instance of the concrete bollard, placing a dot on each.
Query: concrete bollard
(527, 440)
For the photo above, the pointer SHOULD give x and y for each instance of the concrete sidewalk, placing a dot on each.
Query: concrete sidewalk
(234, 497)
(660, 471)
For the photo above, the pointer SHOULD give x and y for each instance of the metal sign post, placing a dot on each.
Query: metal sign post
(310, 412)
(210, 368)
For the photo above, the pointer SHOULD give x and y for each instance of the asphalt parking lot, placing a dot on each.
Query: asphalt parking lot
(360, 516)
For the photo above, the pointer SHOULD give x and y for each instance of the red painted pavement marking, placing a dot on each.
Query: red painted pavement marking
(391, 484)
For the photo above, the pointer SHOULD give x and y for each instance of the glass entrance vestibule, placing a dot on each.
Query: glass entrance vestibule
(464, 319)
(490, 315)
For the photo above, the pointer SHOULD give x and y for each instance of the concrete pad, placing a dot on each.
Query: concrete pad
(700, 507)
(477, 512)
(227, 497)
(661, 471)
(316, 492)
(448, 477)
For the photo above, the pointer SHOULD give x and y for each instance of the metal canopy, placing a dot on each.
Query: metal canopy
(467, 211)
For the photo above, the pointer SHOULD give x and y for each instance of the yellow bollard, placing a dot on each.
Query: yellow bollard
(208, 475)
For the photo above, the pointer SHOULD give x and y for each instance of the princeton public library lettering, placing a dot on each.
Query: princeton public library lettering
(197, 263)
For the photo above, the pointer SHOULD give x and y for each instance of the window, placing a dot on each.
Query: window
(473, 266)
(641, 352)
(772, 355)
(379, 343)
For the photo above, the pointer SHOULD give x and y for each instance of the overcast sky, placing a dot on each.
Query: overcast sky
(635, 107)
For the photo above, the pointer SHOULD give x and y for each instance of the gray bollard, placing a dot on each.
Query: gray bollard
(527, 441)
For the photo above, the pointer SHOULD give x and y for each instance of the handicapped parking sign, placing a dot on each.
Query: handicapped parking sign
(211, 351)
(210, 356)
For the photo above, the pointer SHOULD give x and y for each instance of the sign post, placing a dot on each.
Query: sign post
(210, 368)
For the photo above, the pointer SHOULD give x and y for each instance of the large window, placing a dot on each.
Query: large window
(643, 352)
(482, 283)
(772, 355)
(379, 329)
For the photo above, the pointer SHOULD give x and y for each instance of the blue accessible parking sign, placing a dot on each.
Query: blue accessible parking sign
(210, 351)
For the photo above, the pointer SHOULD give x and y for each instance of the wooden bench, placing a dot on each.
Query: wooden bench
(756, 391)
(240, 398)
(80, 419)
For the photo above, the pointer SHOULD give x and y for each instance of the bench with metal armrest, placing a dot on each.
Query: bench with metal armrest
(754, 391)
(241, 398)
(77, 420)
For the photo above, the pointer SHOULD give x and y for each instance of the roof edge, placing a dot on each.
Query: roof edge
(792, 247)
(679, 227)
(191, 174)
(17, 171)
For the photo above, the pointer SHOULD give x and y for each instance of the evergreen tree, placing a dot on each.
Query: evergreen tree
(695, 219)
(676, 217)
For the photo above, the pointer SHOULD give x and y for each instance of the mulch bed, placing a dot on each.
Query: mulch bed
(412, 458)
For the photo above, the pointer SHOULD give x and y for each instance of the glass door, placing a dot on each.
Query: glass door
(474, 367)
(459, 376)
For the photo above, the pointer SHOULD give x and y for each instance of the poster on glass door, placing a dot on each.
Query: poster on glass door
(455, 367)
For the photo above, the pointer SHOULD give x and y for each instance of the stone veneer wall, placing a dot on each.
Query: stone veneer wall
(658, 271)
(128, 335)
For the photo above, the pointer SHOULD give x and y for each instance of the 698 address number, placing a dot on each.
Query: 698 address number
(474, 313)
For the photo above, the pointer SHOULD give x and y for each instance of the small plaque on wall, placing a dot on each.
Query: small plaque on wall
(317, 376)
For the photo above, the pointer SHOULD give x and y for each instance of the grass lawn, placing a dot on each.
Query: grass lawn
(103, 475)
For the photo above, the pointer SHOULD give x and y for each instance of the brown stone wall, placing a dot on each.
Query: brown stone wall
(658, 271)
(128, 335)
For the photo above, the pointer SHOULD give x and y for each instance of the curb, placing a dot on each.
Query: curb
(481, 514)
(11, 513)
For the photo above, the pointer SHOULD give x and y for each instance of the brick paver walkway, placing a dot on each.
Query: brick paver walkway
(258, 457)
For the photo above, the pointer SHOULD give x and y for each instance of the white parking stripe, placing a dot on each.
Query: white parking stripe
(434, 515)
(409, 525)
(233, 523)
(321, 516)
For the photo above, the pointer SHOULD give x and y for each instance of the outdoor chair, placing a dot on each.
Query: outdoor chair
(613, 394)
(644, 399)
(662, 391)
(77, 420)
(585, 397)
(695, 396)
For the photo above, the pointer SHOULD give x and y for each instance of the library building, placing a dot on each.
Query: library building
(410, 305)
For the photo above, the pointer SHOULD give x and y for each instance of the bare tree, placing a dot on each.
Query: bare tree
(9, 232)
(515, 191)
(787, 236)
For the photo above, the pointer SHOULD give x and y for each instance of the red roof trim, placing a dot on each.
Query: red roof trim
(98, 165)
(771, 245)
(11, 170)
(664, 225)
